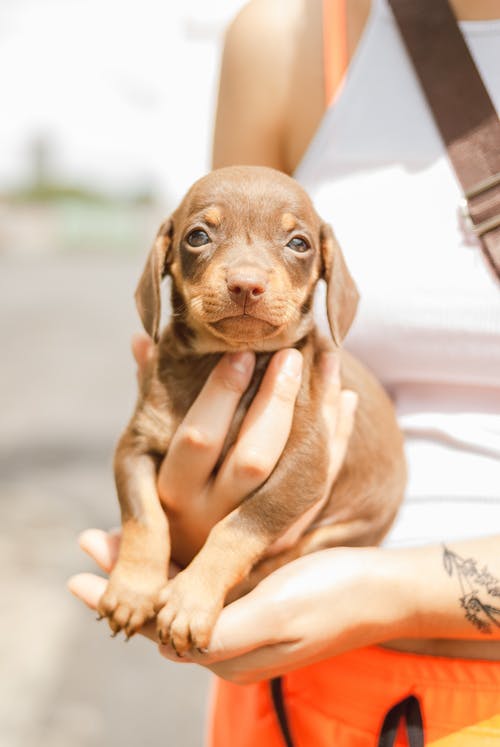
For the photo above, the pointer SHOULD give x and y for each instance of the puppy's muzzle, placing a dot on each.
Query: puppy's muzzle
(246, 286)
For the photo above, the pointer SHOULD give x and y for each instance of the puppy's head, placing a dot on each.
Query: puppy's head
(245, 249)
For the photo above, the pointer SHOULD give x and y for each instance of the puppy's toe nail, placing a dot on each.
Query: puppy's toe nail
(201, 633)
(114, 633)
(179, 655)
(99, 617)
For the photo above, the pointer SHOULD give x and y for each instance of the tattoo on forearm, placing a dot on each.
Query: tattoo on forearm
(476, 585)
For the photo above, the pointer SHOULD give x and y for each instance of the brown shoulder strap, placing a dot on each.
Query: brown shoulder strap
(462, 108)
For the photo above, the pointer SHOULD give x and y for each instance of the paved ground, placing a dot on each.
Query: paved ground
(66, 390)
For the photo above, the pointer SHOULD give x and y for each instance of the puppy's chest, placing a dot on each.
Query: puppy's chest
(175, 384)
(171, 389)
(166, 395)
(184, 388)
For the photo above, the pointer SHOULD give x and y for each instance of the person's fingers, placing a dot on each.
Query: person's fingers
(102, 546)
(142, 350)
(329, 367)
(263, 434)
(338, 408)
(89, 588)
(348, 403)
(198, 441)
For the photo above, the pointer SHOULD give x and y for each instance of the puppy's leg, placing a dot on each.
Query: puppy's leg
(141, 570)
(194, 598)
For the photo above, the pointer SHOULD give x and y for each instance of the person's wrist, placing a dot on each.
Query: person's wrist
(368, 592)
(392, 607)
(429, 600)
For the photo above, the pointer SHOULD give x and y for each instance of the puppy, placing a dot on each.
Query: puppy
(244, 250)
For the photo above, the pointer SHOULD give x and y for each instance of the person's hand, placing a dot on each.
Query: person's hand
(317, 606)
(262, 437)
(194, 499)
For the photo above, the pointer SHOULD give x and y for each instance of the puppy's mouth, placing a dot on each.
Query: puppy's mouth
(244, 327)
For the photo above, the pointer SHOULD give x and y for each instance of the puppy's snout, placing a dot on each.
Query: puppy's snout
(246, 285)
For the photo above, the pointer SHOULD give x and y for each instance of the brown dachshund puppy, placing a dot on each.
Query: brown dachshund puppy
(245, 250)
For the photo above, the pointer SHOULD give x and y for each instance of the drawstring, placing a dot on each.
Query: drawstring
(276, 685)
(409, 709)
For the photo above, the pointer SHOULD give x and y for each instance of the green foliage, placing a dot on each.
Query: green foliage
(47, 192)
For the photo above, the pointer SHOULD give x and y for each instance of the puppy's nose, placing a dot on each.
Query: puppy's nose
(246, 286)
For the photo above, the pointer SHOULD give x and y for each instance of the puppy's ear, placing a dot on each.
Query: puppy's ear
(341, 295)
(147, 295)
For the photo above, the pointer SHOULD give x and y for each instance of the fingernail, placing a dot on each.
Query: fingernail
(293, 364)
(350, 400)
(241, 362)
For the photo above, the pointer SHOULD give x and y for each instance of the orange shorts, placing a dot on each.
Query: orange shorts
(342, 702)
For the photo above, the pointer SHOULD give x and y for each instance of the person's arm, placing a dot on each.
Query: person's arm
(196, 498)
(339, 599)
(250, 115)
(336, 600)
(271, 87)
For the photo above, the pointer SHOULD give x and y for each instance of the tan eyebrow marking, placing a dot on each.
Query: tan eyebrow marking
(213, 216)
(288, 221)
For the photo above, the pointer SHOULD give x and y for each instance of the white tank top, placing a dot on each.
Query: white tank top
(428, 323)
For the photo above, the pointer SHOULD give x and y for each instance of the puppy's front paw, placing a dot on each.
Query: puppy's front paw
(129, 603)
(188, 616)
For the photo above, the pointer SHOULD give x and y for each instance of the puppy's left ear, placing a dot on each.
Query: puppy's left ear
(342, 295)
(147, 295)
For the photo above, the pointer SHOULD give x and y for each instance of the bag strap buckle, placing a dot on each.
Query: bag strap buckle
(479, 229)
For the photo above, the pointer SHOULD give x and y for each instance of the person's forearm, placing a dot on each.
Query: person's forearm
(445, 591)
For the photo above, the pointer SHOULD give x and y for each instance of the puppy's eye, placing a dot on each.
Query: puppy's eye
(298, 245)
(198, 238)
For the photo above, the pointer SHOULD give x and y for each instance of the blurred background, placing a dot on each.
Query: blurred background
(107, 113)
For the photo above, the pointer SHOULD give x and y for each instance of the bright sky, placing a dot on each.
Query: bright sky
(124, 89)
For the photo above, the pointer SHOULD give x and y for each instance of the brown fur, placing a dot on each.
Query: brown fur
(250, 286)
